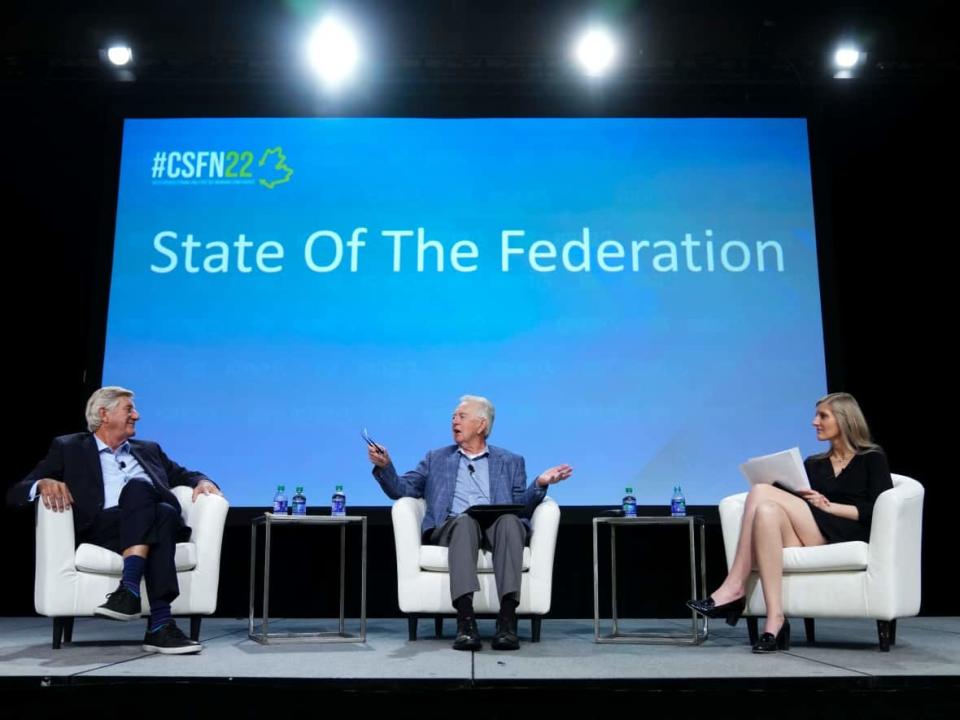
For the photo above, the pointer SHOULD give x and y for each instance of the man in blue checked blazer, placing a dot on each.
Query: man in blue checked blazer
(454, 478)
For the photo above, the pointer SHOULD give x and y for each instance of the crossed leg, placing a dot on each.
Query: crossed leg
(772, 520)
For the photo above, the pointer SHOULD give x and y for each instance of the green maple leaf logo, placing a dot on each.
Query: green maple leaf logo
(280, 166)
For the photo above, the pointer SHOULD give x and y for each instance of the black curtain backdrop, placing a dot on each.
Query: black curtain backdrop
(883, 157)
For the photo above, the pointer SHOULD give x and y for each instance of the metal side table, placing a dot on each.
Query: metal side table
(699, 626)
(268, 520)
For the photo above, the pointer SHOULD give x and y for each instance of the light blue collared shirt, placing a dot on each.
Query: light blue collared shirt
(473, 488)
(119, 467)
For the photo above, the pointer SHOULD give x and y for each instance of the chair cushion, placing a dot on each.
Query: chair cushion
(95, 559)
(833, 557)
(433, 558)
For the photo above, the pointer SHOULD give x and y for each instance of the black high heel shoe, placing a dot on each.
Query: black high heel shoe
(769, 642)
(730, 611)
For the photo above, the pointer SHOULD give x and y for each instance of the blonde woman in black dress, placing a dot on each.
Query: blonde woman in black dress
(846, 481)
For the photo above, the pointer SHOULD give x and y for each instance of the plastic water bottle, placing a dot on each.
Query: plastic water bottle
(338, 503)
(629, 503)
(678, 504)
(299, 502)
(280, 501)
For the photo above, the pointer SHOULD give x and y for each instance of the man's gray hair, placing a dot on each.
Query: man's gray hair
(485, 410)
(106, 398)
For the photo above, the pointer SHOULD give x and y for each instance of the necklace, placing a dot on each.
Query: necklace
(842, 460)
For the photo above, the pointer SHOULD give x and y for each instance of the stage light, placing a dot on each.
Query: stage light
(596, 51)
(117, 60)
(846, 59)
(333, 51)
(119, 55)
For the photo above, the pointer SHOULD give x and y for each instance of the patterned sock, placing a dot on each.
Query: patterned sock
(159, 616)
(132, 572)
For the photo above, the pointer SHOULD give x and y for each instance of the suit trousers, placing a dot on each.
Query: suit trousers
(463, 538)
(143, 518)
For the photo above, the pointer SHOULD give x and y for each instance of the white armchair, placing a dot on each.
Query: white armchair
(423, 576)
(71, 581)
(878, 580)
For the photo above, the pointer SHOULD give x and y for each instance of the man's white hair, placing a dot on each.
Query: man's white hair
(485, 410)
(106, 398)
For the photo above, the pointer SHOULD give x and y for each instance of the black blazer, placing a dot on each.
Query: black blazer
(74, 459)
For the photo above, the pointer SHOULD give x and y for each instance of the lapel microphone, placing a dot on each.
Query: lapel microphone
(123, 465)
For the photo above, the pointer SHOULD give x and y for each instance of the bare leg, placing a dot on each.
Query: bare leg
(734, 586)
(776, 526)
(138, 550)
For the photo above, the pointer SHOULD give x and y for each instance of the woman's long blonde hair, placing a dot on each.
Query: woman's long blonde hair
(850, 420)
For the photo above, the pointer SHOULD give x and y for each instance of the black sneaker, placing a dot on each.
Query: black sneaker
(170, 640)
(120, 605)
(468, 636)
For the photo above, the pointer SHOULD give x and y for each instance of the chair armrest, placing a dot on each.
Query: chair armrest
(731, 516)
(544, 524)
(55, 560)
(893, 567)
(206, 518)
(407, 515)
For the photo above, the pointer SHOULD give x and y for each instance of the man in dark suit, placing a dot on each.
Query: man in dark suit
(119, 489)
(456, 477)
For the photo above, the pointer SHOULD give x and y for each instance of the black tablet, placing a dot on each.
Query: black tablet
(486, 514)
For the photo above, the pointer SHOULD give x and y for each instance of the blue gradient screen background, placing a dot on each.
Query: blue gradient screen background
(670, 373)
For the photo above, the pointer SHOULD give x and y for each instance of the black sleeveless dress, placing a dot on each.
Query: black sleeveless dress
(859, 484)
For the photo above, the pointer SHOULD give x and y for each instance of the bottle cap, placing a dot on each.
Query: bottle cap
(339, 488)
(280, 488)
(628, 490)
(300, 489)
